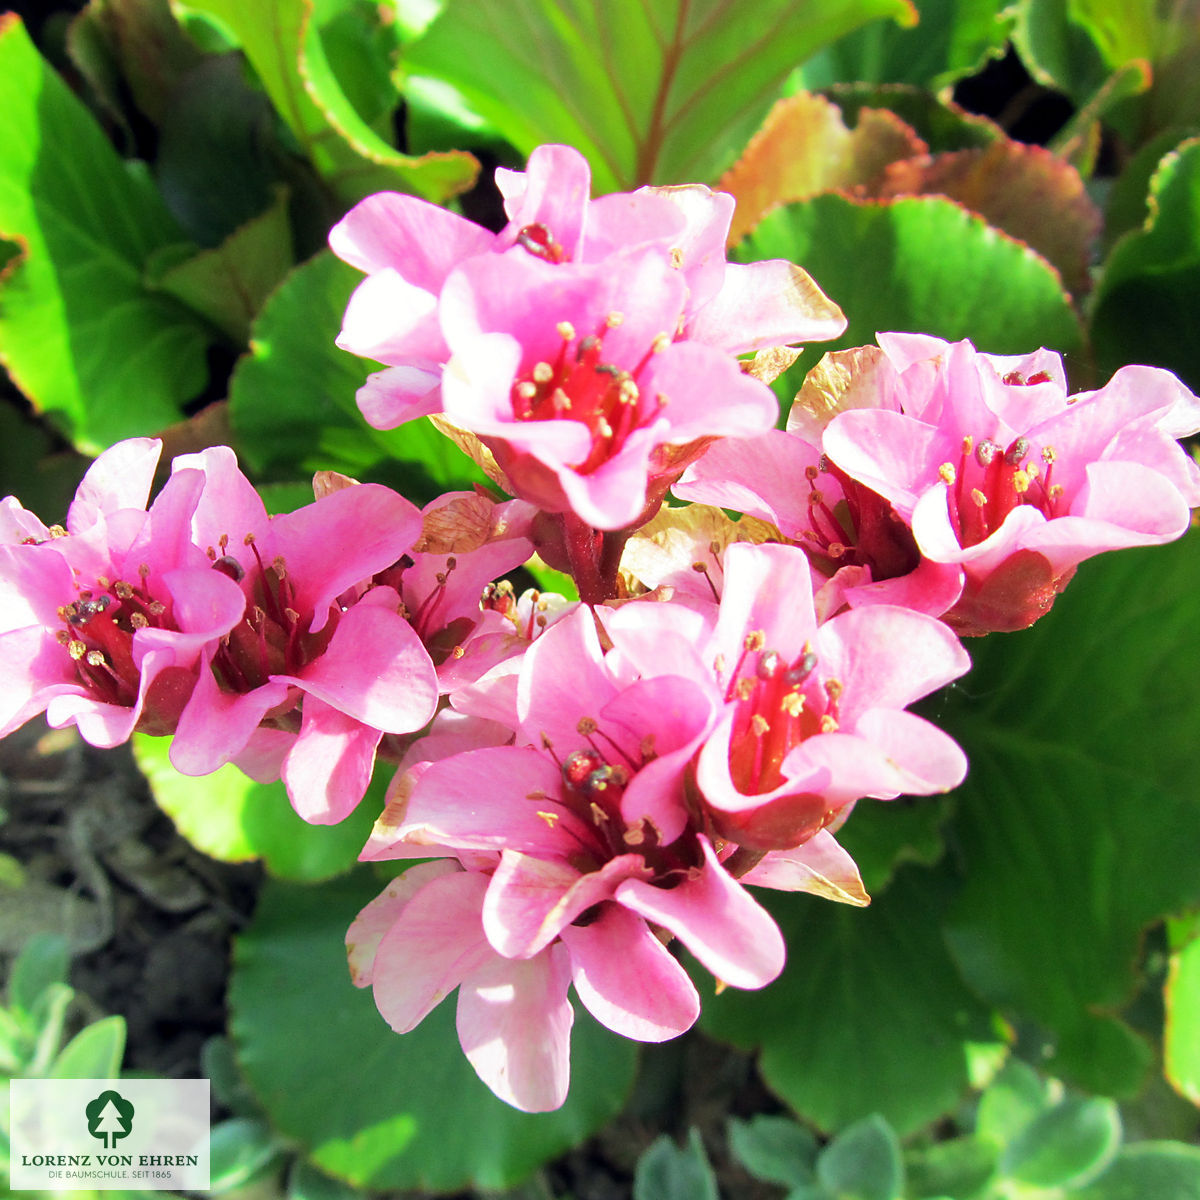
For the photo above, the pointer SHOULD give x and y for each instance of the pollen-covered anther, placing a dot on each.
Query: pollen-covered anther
(754, 641)
(978, 498)
(1048, 455)
(123, 590)
(836, 550)
(614, 319)
(56, 531)
(566, 331)
(660, 343)
(279, 566)
(526, 390)
(76, 649)
(760, 725)
(816, 497)
(139, 620)
(549, 817)
(291, 616)
(792, 703)
(947, 473)
(676, 257)
(834, 689)
(829, 724)
(635, 835)
(627, 392)
(1021, 481)
(1016, 452)
(542, 372)
(63, 637)
(586, 726)
(95, 658)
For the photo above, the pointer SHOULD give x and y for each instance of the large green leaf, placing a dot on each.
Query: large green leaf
(287, 49)
(952, 39)
(1145, 307)
(922, 263)
(1149, 1171)
(1078, 822)
(291, 399)
(79, 332)
(229, 816)
(870, 1014)
(380, 1110)
(665, 91)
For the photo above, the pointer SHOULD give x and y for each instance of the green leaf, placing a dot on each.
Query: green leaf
(1181, 1043)
(241, 1150)
(922, 263)
(230, 283)
(953, 38)
(79, 332)
(410, 1112)
(1144, 309)
(95, 1052)
(305, 1182)
(1076, 825)
(1013, 1101)
(869, 1015)
(941, 123)
(774, 1149)
(287, 50)
(291, 400)
(230, 817)
(1162, 1170)
(43, 961)
(662, 91)
(1075, 1139)
(667, 1172)
(957, 1167)
(863, 1162)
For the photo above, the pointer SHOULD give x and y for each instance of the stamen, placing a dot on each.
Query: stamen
(566, 331)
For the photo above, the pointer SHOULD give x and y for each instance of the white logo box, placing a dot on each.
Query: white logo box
(108, 1134)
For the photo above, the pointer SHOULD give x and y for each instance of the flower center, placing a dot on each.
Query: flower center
(861, 529)
(98, 635)
(989, 481)
(594, 781)
(580, 386)
(271, 638)
(779, 705)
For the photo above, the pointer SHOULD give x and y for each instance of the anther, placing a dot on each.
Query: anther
(769, 664)
(978, 498)
(542, 372)
(1016, 451)
(946, 473)
(76, 649)
(228, 565)
(614, 319)
(95, 658)
(586, 726)
(660, 343)
(56, 531)
(986, 451)
(139, 620)
(566, 331)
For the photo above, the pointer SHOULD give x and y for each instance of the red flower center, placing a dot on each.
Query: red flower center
(580, 386)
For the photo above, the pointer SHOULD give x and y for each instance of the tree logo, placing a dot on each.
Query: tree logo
(109, 1117)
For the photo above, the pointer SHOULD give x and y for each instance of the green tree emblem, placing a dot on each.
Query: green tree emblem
(109, 1117)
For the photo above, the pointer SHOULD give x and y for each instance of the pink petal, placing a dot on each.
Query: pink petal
(424, 241)
(435, 942)
(375, 670)
(493, 799)
(514, 1023)
(927, 759)
(887, 657)
(766, 304)
(391, 320)
(890, 453)
(820, 867)
(229, 505)
(552, 191)
(399, 394)
(531, 899)
(718, 921)
(372, 924)
(628, 979)
(371, 526)
(329, 766)
(119, 478)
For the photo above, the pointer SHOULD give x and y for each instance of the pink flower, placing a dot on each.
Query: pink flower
(589, 344)
(811, 716)
(103, 623)
(852, 535)
(318, 669)
(1009, 480)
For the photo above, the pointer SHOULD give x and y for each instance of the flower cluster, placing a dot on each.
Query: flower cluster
(591, 783)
